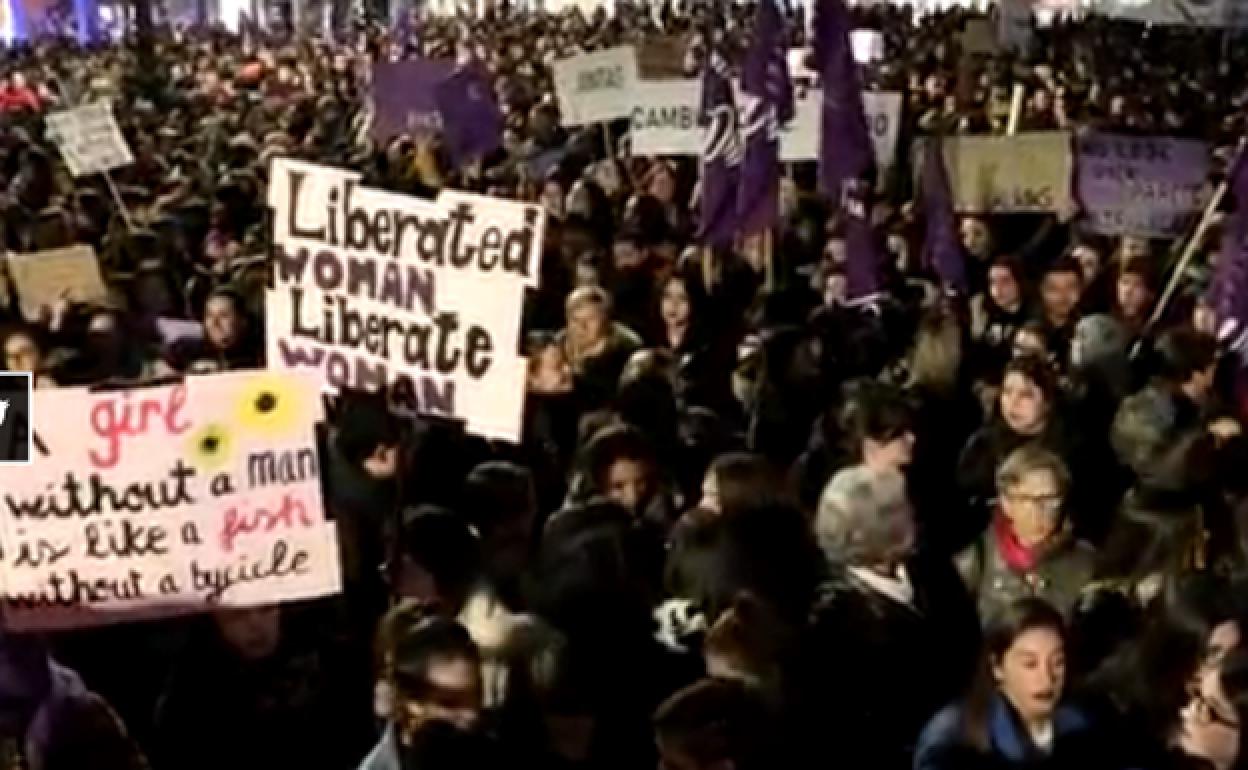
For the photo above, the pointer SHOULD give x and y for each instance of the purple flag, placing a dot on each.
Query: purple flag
(1229, 292)
(942, 249)
(721, 155)
(472, 124)
(404, 97)
(846, 159)
(768, 95)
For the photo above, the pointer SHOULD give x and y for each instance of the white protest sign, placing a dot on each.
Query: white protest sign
(799, 140)
(665, 118)
(89, 139)
(161, 501)
(373, 288)
(867, 45)
(596, 87)
(1186, 13)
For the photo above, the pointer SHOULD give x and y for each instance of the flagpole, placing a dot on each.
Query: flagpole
(1206, 221)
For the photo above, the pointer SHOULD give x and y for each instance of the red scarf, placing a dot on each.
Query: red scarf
(1018, 557)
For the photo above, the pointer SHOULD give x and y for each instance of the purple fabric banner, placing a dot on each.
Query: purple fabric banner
(767, 93)
(1229, 290)
(472, 123)
(721, 156)
(942, 248)
(405, 97)
(1141, 185)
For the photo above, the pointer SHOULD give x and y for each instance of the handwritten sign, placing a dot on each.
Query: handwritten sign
(374, 288)
(89, 139)
(799, 140)
(44, 277)
(404, 97)
(665, 118)
(596, 87)
(1140, 185)
(161, 501)
(1021, 173)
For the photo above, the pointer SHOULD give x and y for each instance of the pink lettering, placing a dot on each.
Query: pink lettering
(238, 523)
(115, 419)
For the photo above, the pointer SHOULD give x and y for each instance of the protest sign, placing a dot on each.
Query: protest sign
(662, 57)
(1141, 185)
(596, 87)
(1015, 31)
(867, 45)
(799, 140)
(1186, 13)
(374, 288)
(44, 277)
(404, 96)
(1021, 173)
(89, 139)
(979, 38)
(665, 118)
(160, 501)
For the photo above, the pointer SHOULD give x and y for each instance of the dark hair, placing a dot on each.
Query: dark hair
(495, 492)
(609, 446)
(1182, 352)
(415, 652)
(1234, 679)
(1142, 267)
(439, 745)
(875, 411)
(32, 332)
(1000, 633)
(364, 425)
(440, 542)
(1065, 264)
(694, 290)
(743, 481)
(714, 721)
(1037, 371)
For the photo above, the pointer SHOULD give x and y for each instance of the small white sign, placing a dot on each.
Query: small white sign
(89, 139)
(596, 87)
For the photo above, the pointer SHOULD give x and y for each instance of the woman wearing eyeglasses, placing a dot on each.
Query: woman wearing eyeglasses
(1210, 729)
(1028, 551)
(1014, 715)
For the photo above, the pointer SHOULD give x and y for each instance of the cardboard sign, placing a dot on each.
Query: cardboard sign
(665, 118)
(1021, 173)
(1141, 185)
(373, 288)
(596, 87)
(44, 277)
(89, 139)
(160, 501)
(799, 140)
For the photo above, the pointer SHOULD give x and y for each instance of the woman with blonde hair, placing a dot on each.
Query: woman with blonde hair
(596, 347)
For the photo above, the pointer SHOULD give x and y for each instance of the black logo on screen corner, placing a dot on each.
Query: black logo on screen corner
(15, 418)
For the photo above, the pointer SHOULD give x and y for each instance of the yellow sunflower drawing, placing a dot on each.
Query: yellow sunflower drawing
(211, 446)
(270, 406)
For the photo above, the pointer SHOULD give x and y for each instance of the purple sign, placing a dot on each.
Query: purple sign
(405, 97)
(1141, 185)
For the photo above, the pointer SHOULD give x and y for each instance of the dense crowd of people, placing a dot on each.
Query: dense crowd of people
(749, 524)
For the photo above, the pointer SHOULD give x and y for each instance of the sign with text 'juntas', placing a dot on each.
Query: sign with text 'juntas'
(596, 87)
(161, 501)
(375, 289)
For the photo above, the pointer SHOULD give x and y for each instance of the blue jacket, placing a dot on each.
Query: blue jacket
(942, 745)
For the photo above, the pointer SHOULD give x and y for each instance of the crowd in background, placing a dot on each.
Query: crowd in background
(750, 525)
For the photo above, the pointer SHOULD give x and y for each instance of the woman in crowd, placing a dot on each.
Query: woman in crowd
(596, 347)
(1029, 549)
(1014, 714)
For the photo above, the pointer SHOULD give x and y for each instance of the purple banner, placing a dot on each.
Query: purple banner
(1141, 185)
(405, 97)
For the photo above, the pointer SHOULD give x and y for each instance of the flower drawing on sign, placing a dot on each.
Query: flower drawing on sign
(211, 446)
(270, 407)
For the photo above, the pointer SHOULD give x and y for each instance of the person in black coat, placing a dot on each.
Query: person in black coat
(893, 633)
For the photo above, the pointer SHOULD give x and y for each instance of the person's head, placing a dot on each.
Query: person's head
(1005, 283)
(589, 315)
(1187, 361)
(621, 466)
(714, 724)
(1030, 340)
(1211, 722)
(436, 673)
(23, 351)
(367, 436)
(878, 423)
(224, 321)
(1098, 340)
(1135, 289)
(864, 518)
(976, 238)
(680, 301)
(549, 370)
(252, 633)
(1025, 656)
(1032, 484)
(736, 481)
(1027, 392)
(748, 642)
(500, 499)
(936, 360)
(1090, 261)
(1060, 290)
(436, 558)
